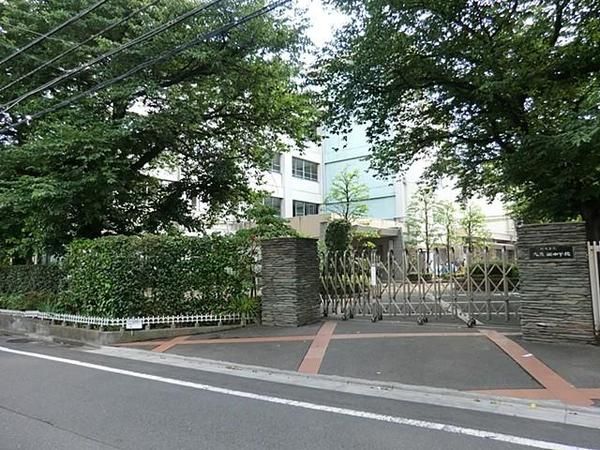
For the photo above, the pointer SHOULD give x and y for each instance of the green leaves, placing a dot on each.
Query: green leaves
(267, 223)
(338, 235)
(502, 96)
(157, 275)
(347, 195)
(474, 228)
(22, 279)
(211, 116)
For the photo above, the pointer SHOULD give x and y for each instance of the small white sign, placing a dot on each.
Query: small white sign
(373, 275)
(134, 324)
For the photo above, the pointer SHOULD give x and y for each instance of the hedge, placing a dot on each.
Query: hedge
(337, 235)
(157, 275)
(24, 279)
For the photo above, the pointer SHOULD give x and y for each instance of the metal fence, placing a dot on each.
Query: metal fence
(127, 323)
(462, 284)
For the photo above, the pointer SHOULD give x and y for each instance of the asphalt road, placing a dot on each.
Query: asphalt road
(89, 401)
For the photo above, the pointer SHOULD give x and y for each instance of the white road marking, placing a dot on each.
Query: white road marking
(516, 440)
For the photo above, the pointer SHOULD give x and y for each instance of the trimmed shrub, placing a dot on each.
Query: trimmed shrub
(338, 235)
(23, 279)
(156, 275)
(39, 301)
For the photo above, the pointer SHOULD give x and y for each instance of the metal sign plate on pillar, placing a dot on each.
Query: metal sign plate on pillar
(552, 252)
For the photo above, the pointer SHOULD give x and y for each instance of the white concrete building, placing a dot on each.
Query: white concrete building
(295, 182)
(297, 185)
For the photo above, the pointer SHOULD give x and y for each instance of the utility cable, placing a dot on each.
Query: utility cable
(27, 55)
(53, 31)
(12, 26)
(144, 37)
(166, 55)
(78, 46)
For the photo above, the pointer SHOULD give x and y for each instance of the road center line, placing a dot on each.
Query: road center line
(472, 432)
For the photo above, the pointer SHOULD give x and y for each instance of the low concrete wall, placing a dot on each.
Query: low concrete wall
(556, 301)
(45, 329)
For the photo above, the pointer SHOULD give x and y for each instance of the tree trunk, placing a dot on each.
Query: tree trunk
(591, 214)
(448, 262)
(427, 243)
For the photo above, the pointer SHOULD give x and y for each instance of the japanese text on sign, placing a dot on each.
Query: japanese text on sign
(551, 252)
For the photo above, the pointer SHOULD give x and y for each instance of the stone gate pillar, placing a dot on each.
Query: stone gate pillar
(555, 283)
(290, 282)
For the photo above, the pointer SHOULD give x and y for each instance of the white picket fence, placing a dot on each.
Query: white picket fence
(146, 322)
(594, 258)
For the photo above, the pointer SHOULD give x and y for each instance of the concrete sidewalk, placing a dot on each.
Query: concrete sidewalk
(492, 359)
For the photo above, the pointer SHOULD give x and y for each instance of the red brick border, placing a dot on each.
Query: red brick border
(558, 386)
(315, 354)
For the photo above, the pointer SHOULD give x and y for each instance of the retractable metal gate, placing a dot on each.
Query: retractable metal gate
(480, 286)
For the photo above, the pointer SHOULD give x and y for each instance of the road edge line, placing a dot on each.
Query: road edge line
(548, 411)
(416, 423)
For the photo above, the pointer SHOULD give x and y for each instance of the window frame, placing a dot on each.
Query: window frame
(276, 167)
(304, 204)
(302, 172)
(272, 197)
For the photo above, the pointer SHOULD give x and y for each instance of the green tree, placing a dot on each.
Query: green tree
(216, 113)
(502, 95)
(267, 224)
(338, 235)
(347, 195)
(445, 217)
(364, 240)
(421, 226)
(474, 226)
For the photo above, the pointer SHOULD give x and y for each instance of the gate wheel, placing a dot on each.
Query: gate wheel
(377, 313)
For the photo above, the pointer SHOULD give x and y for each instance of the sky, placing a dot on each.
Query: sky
(324, 20)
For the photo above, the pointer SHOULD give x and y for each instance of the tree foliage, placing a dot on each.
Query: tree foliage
(338, 235)
(347, 195)
(214, 115)
(421, 226)
(475, 232)
(503, 95)
(267, 224)
(445, 216)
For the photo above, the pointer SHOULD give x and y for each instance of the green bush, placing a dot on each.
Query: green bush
(156, 275)
(338, 236)
(22, 279)
(39, 301)
(247, 306)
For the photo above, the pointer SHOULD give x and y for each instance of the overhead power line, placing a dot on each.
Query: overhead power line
(77, 70)
(166, 55)
(13, 26)
(81, 44)
(53, 31)
(27, 55)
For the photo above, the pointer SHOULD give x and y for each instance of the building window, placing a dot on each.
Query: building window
(275, 203)
(276, 163)
(305, 208)
(306, 170)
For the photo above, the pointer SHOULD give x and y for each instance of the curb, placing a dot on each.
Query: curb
(549, 411)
